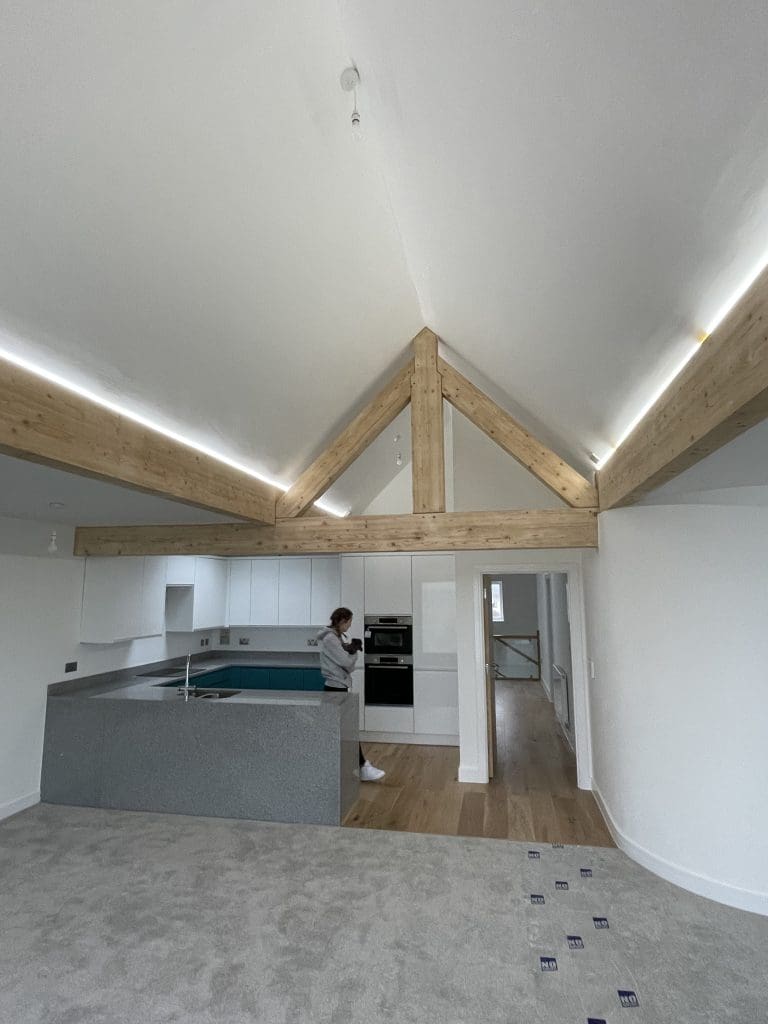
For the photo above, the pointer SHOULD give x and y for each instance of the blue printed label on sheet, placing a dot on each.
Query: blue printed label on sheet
(586, 872)
(600, 922)
(537, 897)
(548, 963)
(628, 998)
(561, 885)
(575, 942)
(533, 855)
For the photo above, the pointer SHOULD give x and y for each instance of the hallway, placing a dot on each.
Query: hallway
(533, 795)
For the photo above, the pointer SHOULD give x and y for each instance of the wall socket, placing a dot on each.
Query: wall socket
(224, 637)
(204, 642)
(312, 642)
(244, 641)
(70, 666)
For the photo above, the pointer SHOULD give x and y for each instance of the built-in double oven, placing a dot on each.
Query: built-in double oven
(388, 651)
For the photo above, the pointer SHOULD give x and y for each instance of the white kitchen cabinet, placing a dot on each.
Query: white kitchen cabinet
(353, 589)
(153, 595)
(325, 594)
(203, 605)
(436, 703)
(264, 586)
(180, 571)
(294, 591)
(434, 611)
(210, 606)
(357, 685)
(123, 599)
(388, 585)
(239, 592)
(388, 719)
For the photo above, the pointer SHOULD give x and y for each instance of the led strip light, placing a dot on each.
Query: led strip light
(105, 403)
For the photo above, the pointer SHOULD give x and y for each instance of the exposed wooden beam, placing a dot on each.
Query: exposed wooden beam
(350, 443)
(428, 463)
(444, 531)
(502, 428)
(46, 423)
(722, 392)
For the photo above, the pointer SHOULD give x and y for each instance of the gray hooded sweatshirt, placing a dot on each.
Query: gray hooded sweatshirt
(335, 664)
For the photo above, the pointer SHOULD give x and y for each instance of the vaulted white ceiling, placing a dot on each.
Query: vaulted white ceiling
(565, 192)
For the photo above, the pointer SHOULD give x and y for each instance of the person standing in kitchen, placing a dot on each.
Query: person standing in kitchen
(338, 657)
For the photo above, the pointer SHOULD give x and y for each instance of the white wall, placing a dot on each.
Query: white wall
(677, 606)
(470, 568)
(486, 478)
(40, 599)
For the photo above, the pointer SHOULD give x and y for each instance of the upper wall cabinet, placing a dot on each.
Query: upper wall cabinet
(180, 571)
(294, 592)
(388, 585)
(283, 591)
(326, 589)
(265, 578)
(201, 605)
(353, 587)
(434, 611)
(123, 598)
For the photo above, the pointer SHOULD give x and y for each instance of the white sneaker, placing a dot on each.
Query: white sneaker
(370, 774)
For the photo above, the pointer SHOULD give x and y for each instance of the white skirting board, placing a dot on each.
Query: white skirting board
(472, 773)
(702, 885)
(19, 804)
(423, 739)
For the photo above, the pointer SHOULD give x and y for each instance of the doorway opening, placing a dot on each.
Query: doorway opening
(527, 640)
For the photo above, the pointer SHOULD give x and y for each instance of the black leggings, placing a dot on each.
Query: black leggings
(341, 689)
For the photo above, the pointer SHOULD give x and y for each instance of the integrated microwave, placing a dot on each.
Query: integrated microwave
(388, 634)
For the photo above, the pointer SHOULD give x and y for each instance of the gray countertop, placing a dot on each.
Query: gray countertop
(132, 683)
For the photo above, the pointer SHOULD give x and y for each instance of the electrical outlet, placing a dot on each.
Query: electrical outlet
(244, 641)
(312, 642)
(70, 666)
(224, 637)
(203, 643)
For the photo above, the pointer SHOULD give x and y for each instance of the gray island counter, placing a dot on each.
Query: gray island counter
(129, 741)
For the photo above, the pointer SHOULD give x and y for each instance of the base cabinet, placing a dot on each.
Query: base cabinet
(357, 685)
(388, 719)
(436, 703)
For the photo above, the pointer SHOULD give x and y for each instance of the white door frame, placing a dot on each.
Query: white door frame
(473, 765)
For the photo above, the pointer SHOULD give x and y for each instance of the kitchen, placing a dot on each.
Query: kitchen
(264, 613)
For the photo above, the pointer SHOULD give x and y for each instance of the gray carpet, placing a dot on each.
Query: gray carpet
(111, 917)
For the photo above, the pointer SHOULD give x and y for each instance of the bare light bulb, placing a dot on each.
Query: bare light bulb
(52, 546)
(357, 131)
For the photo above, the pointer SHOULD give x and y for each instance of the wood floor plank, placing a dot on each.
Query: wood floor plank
(472, 817)
(533, 796)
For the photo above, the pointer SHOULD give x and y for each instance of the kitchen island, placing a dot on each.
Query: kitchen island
(130, 741)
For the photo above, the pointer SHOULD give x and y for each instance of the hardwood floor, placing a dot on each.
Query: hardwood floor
(533, 795)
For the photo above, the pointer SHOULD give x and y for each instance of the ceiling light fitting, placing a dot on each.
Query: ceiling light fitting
(350, 80)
